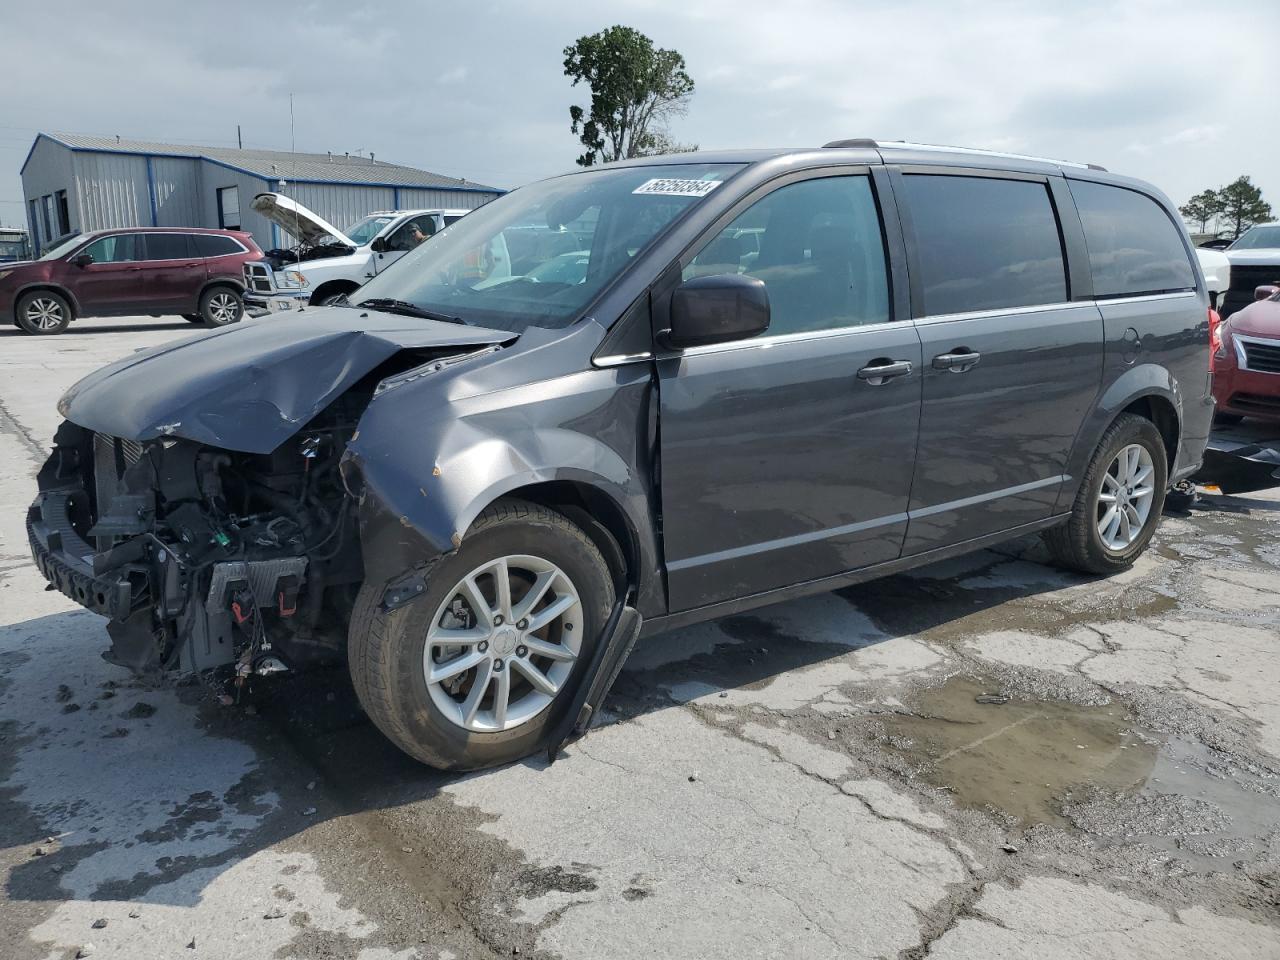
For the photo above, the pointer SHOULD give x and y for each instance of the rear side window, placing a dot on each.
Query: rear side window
(985, 243)
(212, 245)
(167, 246)
(1134, 248)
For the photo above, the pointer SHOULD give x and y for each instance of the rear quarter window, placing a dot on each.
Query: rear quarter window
(1134, 248)
(212, 245)
(985, 243)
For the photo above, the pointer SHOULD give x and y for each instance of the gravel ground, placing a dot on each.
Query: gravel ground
(987, 758)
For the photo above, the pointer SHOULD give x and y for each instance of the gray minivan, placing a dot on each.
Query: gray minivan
(778, 372)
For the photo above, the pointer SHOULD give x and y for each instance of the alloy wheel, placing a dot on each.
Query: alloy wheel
(1124, 502)
(223, 308)
(44, 313)
(503, 643)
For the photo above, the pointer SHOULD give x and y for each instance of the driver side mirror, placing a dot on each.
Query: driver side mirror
(1265, 292)
(717, 309)
(379, 245)
(82, 260)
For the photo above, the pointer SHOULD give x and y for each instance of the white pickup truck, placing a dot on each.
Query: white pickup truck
(328, 263)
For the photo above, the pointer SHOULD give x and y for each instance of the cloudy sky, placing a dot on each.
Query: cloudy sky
(1174, 92)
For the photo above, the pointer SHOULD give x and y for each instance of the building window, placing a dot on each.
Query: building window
(64, 213)
(48, 216)
(34, 217)
(229, 208)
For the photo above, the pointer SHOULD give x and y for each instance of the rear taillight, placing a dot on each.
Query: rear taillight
(1215, 335)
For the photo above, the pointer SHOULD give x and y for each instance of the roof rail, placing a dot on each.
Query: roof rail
(938, 148)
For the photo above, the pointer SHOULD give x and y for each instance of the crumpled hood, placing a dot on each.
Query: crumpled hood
(253, 385)
(294, 218)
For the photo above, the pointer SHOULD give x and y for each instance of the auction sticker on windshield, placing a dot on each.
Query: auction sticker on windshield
(667, 187)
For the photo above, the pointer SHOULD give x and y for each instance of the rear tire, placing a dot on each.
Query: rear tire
(42, 313)
(220, 307)
(1088, 541)
(391, 654)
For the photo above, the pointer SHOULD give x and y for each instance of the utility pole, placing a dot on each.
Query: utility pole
(239, 139)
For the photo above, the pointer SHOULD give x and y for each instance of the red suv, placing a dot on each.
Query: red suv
(194, 273)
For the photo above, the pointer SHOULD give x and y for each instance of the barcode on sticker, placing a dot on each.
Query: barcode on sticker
(670, 187)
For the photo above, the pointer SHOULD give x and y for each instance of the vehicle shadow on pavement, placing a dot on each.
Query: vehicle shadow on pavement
(146, 793)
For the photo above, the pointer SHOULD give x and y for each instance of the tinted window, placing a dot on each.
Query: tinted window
(116, 248)
(167, 246)
(817, 246)
(1133, 245)
(985, 244)
(211, 245)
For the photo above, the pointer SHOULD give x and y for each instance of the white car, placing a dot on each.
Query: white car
(328, 263)
(1217, 273)
(1255, 261)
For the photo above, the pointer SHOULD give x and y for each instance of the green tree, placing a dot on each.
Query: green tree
(636, 89)
(1242, 205)
(1202, 208)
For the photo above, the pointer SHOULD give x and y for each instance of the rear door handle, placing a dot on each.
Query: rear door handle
(957, 362)
(879, 372)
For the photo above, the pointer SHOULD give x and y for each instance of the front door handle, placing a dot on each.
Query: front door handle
(882, 371)
(957, 362)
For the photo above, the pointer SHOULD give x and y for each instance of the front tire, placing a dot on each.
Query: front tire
(473, 673)
(43, 313)
(1118, 505)
(220, 306)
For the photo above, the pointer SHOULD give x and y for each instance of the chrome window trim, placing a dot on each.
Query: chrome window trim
(785, 338)
(1242, 356)
(1002, 312)
(617, 360)
(1146, 297)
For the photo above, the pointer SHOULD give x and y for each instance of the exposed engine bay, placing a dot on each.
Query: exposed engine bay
(205, 558)
(281, 257)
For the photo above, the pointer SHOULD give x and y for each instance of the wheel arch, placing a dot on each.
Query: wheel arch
(600, 516)
(215, 282)
(1149, 391)
(37, 285)
(330, 287)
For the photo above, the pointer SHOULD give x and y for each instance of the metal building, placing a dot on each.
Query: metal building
(74, 183)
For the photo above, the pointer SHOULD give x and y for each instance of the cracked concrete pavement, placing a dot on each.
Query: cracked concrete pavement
(986, 758)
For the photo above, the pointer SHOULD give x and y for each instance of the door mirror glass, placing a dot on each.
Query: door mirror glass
(82, 260)
(717, 309)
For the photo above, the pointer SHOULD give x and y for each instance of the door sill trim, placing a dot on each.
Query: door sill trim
(724, 608)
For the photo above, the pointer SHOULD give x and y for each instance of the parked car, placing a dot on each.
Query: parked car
(328, 263)
(1255, 261)
(483, 488)
(15, 245)
(1246, 360)
(1216, 267)
(188, 272)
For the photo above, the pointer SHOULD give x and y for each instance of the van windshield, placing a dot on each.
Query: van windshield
(491, 268)
(362, 231)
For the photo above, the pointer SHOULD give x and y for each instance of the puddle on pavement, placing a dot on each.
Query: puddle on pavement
(1081, 767)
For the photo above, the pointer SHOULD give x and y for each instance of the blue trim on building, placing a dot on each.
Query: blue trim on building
(258, 174)
(151, 193)
(275, 227)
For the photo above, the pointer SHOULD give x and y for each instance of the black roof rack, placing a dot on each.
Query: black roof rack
(859, 142)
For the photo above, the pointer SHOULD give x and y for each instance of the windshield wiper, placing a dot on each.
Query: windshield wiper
(389, 305)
